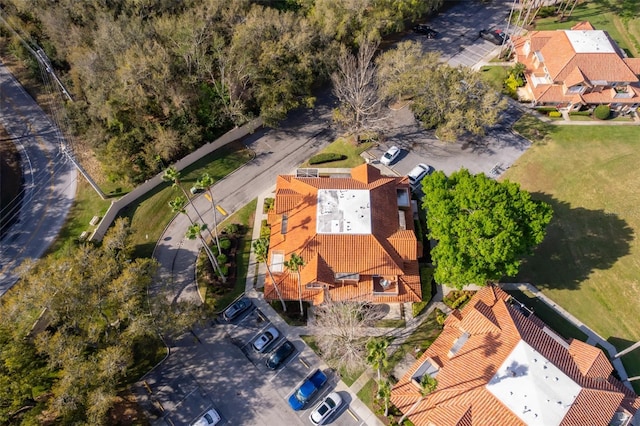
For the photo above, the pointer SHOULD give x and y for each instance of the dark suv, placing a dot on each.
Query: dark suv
(280, 355)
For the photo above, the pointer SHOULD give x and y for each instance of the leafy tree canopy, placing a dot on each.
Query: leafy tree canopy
(69, 330)
(483, 227)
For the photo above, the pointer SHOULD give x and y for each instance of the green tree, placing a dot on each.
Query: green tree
(377, 354)
(76, 320)
(261, 251)
(483, 227)
(294, 264)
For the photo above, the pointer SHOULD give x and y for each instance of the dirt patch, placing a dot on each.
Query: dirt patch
(10, 180)
(126, 411)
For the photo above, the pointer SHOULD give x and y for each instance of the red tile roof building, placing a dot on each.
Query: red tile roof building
(355, 234)
(578, 67)
(498, 364)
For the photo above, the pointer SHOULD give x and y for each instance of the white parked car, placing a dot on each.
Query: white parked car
(327, 407)
(209, 418)
(391, 154)
(417, 174)
(266, 339)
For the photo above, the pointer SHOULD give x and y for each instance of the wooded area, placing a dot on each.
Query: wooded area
(154, 79)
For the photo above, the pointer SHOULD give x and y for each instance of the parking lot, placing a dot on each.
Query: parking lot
(232, 377)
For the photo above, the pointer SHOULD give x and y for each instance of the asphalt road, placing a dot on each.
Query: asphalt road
(49, 179)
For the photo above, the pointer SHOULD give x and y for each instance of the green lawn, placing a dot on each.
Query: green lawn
(495, 76)
(620, 18)
(368, 393)
(151, 214)
(588, 263)
(344, 147)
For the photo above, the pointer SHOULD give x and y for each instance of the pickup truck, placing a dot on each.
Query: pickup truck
(305, 392)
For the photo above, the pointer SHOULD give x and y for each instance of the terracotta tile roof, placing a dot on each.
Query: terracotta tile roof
(553, 53)
(494, 329)
(584, 25)
(633, 64)
(390, 250)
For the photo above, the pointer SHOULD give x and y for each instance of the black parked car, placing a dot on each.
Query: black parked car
(426, 30)
(496, 37)
(280, 355)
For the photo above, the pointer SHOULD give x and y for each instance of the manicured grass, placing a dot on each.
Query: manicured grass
(494, 75)
(426, 275)
(620, 18)
(151, 214)
(368, 393)
(420, 339)
(344, 147)
(543, 311)
(588, 262)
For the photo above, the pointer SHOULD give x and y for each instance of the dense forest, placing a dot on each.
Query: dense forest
(153, 79)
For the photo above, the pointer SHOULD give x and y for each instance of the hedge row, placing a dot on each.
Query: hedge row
(326, 158)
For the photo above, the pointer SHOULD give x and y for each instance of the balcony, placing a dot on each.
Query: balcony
(384, 286)
(621, 92)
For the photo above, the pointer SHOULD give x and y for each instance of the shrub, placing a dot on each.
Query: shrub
(555, 114)
(546, 11)
(545, 110)
(326, 157)
(265, 229)
(457, 298)
(224, 269)
(222, 259)
(225, 244)
(602, 112)
(268, 205)
(441, 317)
(232, 228)
(583, 113)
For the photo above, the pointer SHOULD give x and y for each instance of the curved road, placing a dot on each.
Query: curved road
(49, 179)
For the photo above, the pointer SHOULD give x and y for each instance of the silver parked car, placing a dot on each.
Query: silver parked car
(391, 154)
(266, 339)
(417, 174)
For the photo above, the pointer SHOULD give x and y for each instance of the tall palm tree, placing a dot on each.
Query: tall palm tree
(377, 354)
(171, 174)
(428, 384)
(384, 393)
(178, 206)
(294, 264)
(206, 182)
(261, 249)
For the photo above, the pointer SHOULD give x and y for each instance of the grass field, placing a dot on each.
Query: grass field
(620, 18)
(344, 147)
(589, 261)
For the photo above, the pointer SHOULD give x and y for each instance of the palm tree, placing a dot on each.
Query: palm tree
(178, 206)
(377, 354)
(171, 174)
(384, 393)
(206, 182)
(261, 249)
(294, 264)
(427, 385)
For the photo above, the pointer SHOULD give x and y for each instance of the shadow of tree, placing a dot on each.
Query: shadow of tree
(578, 241)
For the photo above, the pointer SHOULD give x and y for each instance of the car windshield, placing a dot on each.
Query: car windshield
(388, 155)
(330, 402)
(323, 409)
